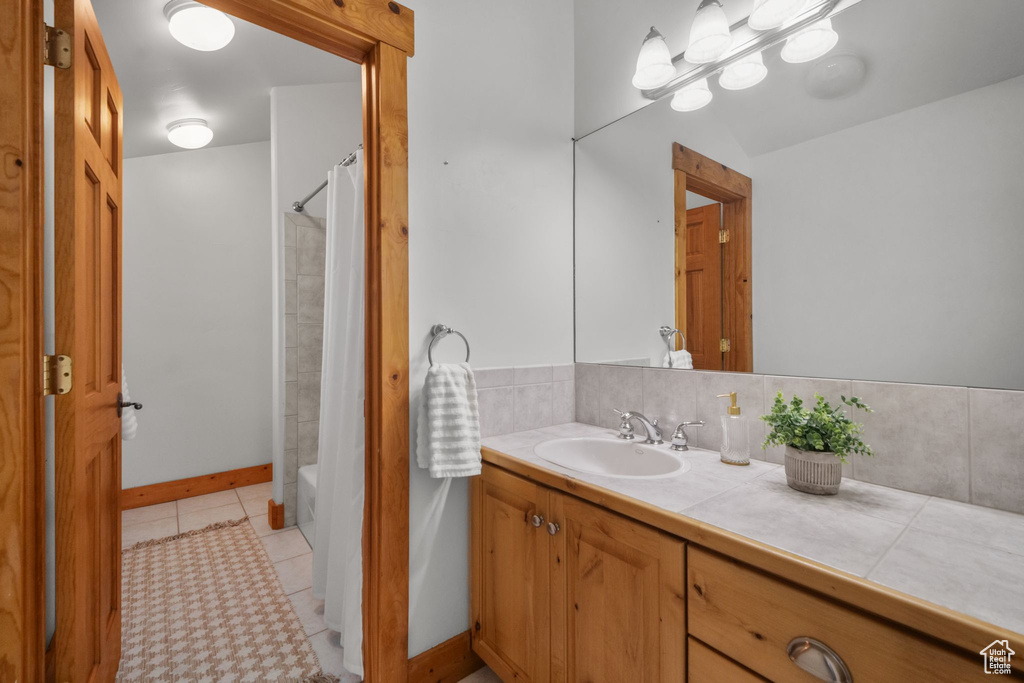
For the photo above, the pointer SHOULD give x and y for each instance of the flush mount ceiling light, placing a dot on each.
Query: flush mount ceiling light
(811, 43)
(709, 34)
(189, 133)
(692, 97)
(654, 65)
(835, 76)
(198, 26)
(745, 73)
(773, 13)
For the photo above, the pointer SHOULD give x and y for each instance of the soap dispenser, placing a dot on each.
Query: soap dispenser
(735, 434)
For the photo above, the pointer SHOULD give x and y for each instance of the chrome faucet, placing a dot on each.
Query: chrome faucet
(626, 426)
(679, 439)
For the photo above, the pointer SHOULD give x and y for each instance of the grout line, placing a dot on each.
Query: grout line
(898, 538)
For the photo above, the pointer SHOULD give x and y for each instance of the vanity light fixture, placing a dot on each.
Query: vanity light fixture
(692, 97)
(709, 34)
(189, 133)
(736, 52)
(197, 26)
(745, 73)
(773, 13)
(811, 43)
(654, 66)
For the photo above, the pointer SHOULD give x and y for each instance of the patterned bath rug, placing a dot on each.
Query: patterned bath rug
(207, 606)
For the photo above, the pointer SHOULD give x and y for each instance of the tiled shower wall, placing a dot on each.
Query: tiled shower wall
(304, 257)
(952, 442)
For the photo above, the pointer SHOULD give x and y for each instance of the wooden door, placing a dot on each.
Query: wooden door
(510, 557)
(617, 598)
(87, 273)
(704, 286)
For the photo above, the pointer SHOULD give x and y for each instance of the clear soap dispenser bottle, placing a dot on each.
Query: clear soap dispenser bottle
(735, 434)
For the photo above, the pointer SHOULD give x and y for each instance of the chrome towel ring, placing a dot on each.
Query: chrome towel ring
(667, 333)
(439, 332)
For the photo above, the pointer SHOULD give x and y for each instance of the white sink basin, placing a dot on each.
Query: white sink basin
(613, 458)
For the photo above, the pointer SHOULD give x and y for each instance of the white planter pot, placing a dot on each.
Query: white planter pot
(813, 472)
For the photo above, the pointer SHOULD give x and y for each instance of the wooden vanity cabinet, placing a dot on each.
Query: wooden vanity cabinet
(586, 595)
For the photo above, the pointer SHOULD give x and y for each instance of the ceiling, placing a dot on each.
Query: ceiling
(916, 52)
(162, 80)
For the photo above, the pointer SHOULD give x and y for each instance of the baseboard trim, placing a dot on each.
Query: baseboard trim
(449, 662)
(275, 514)
(167, 491)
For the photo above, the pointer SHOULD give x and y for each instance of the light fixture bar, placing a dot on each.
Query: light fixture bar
(760, 40)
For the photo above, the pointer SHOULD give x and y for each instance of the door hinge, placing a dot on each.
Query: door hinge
(56, 375)
(724, 345)
(56, 47)
(723, 236)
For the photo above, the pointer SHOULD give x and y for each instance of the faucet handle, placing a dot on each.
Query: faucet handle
(625, 426)
(679, 439)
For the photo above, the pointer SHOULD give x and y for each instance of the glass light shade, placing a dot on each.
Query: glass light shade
(773, 13)
(745, 73)
(692, 97)
(189, 133)
(198, 26)
(654, 66)
(811, 43)
(709, 34)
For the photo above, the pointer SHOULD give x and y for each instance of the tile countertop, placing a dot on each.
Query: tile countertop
(964, 557)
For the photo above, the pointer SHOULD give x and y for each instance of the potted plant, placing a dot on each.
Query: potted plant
(817, 441)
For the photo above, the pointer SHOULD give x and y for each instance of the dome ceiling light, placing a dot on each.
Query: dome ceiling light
(198, 26)
(189, 133)
(736, 52)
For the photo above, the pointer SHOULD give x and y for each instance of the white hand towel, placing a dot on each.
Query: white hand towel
(129, 422)
(680, 360)
(448, 438)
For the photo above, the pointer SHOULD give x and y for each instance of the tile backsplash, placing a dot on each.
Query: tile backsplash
(526, 397)
(951, 442)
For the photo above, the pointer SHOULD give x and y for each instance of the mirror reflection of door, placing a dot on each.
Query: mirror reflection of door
(703, 286)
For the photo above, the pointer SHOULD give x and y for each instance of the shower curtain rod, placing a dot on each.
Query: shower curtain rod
(347, 161)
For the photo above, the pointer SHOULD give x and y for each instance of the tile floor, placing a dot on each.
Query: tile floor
(287, 549)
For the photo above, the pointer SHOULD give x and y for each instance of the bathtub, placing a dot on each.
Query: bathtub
(307, 501)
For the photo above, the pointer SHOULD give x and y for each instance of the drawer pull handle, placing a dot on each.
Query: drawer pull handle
(818, 659)
(537, 520)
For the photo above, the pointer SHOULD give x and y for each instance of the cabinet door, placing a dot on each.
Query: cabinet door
(617, 598)
(511, 614)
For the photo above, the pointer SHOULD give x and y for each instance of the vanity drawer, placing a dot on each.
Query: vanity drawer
(752, 618)
(704, 665)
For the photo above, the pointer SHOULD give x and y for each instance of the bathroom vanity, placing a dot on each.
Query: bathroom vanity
(575, 577)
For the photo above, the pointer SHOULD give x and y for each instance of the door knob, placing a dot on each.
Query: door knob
(537, 520)
(122, 404)
(553, 528)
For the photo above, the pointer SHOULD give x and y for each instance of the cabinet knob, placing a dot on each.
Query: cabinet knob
(537, 520)
(553, 528)
(818, 659)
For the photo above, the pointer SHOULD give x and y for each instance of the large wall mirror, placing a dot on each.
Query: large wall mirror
(880, 233)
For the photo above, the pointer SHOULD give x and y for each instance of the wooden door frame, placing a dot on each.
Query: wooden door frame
(378, 34)
(697, 173)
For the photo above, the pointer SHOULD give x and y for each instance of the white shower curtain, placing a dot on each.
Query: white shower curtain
(337, 533)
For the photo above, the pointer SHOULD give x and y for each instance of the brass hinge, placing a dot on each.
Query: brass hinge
(56, 47)
(56, 375)
(724, 345)
(723, 236)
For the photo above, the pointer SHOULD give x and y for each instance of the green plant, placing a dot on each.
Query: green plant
(823, 428)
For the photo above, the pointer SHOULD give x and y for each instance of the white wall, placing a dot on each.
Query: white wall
(197, 319)
(625, 228)
(490, 127)
(892, 250)
(312, 128)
